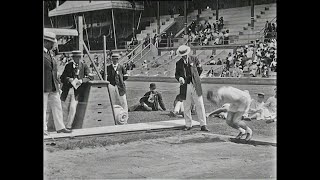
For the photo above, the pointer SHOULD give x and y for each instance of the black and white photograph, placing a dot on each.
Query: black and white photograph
(146, 89)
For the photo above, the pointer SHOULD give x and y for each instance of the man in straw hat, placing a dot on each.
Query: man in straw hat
(117, 74)
(188, 70)
(239, 104)
(74, 78)
(51, 95)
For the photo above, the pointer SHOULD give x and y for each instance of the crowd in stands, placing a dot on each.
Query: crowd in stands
(270, 31)
(203, 33)
(256, 60)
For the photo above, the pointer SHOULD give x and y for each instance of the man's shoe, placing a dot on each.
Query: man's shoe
(64, 131)
(69, 129)
(248, 137)
(173, 114)
(187, 128)
(204, 128)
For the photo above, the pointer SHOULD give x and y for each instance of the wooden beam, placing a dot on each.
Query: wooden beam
(89, 55)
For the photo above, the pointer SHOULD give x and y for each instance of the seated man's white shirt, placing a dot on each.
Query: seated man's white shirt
(255, 105)
(271, 107)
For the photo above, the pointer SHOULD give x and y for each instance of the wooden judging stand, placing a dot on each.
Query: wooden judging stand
(95, 110)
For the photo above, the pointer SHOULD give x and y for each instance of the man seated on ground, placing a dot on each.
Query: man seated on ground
(257, 109)
(271, 106)
(150, 101)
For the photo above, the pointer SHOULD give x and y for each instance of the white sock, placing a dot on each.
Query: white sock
(242, 130)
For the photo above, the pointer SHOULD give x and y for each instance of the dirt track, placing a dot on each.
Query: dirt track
(194, 156)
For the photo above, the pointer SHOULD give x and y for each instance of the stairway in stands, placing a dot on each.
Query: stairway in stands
(238, 20)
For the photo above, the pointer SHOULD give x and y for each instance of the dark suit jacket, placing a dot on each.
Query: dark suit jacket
(69, 72)
(117, 79)
(50, 76)
(196, 70)
(157, 100)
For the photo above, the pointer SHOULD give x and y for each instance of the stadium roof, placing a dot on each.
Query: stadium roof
(62, 32)
(71, 7)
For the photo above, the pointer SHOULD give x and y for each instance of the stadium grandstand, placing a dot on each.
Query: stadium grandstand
(231, 38)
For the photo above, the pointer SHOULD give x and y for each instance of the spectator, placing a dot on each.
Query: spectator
(178, 108)
(221, 24)
(51, 93)
(273, 65)
(271, 106)
(256, 110)
(150, 101)
(75, 71)
(116, 75)
(144, 64)
(253, 68)
(226, 37)
(219, 62)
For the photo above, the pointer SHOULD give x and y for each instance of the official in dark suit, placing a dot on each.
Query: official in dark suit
(51, 95)
(116, 75)
(188, 70)
(75, 70)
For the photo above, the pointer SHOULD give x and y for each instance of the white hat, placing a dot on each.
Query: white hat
(116, 56)
(183, 50)
(50, 36)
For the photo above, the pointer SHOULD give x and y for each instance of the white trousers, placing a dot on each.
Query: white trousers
(53, 100)
(69, 107)
(114, 92)
(178, 107)
(198, 100)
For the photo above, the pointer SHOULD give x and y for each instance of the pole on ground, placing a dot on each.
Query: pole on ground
(105, 57)
(158, 18)
(186, 18)
(252, 14)
(217, 13)
(114, 30)
(105, 75)
(80, 33)
(89, 55)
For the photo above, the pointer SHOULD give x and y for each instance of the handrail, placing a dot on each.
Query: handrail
(138, 46)
(214, 57)
(265, 27)
(137, 69)
(140, 53)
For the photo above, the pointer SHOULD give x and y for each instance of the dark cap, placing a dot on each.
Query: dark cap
(261, 94)
(153, 85)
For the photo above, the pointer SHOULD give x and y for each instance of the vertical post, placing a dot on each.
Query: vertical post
(252, 14)
(57, 4)
(80, 33)
(158, 18)
(217, 13)
(186, 18)
(133, 25)
(105, 57)
(114, 30)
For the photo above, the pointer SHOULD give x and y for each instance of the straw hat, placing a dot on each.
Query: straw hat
(183, 50)
(76, 53)
(50, 36)
(116, 56)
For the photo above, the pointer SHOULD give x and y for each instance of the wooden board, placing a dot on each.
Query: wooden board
(122, 128)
